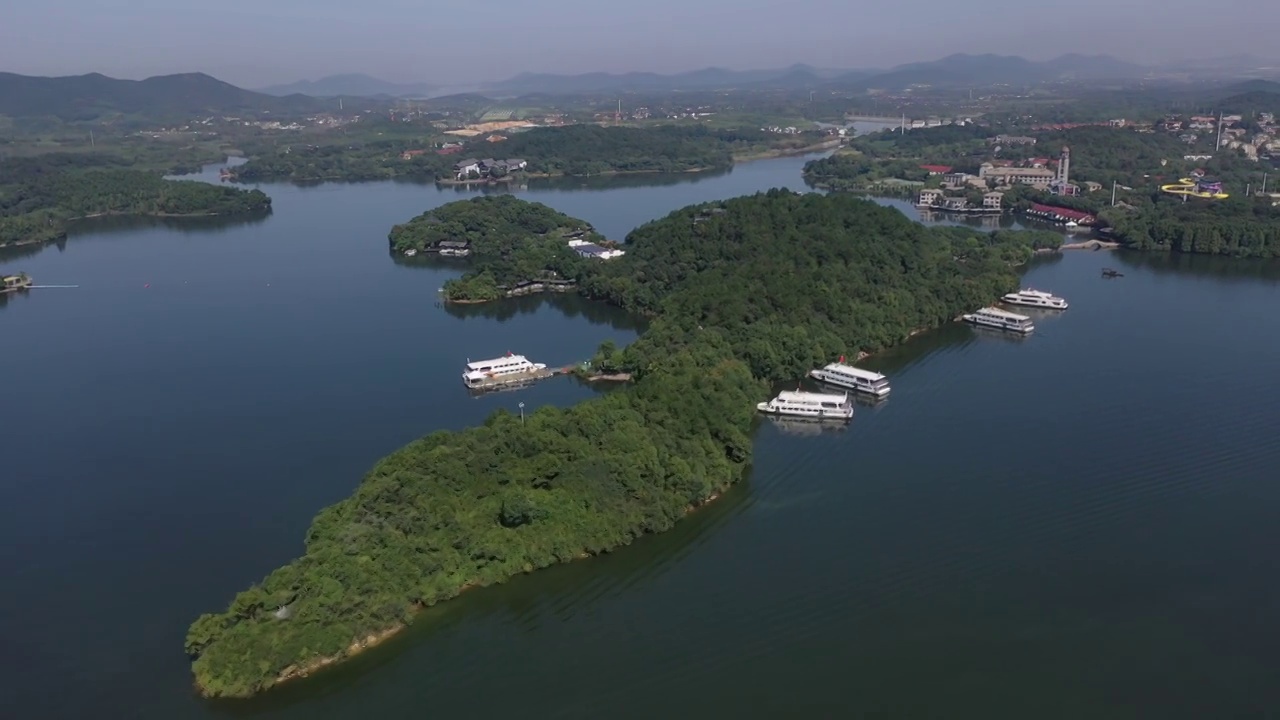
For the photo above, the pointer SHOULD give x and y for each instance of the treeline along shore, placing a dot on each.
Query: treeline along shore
(39, 195)
(740, 293)
(571, 150)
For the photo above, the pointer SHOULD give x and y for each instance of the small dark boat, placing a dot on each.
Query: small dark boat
(1109, 273)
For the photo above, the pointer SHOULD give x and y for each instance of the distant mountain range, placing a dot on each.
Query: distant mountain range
(354, 85)
(977, 70)
(86, 97)
(954, 71)
(1252, 96)
(711, 78)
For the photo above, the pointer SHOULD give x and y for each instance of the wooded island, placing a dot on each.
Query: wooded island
(39, 195)
(753, 289)
(506, 243)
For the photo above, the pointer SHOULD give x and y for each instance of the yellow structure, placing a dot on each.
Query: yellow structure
(21, 281)
(1190, 188)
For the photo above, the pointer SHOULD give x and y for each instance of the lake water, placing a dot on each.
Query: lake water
(1074, 524)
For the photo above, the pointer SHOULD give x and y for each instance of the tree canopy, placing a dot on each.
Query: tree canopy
(38, 195)
(761, 287)
(510, 241)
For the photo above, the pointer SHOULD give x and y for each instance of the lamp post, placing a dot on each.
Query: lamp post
(521, 413)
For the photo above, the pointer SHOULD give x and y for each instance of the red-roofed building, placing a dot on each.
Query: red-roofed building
(1056, 214)
(1038, 163)
(936, 169)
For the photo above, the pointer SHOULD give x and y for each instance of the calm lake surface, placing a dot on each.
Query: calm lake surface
(1076, 524)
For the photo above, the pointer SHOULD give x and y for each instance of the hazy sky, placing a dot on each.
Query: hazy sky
(258, 42)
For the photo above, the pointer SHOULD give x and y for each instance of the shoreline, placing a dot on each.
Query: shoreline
(93, 216)
(787, 152)
(376, 638)
(733, 160)
(608, 377)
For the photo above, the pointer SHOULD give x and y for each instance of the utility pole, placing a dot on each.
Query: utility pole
(1113, 192)
(91, 143)
(1264, 183)
(521, 413)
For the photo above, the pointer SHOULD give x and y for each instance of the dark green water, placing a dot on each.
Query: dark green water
(1075, 524)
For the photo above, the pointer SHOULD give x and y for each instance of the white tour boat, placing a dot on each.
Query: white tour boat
(510, 368)
(848, 376)
(820, 406)
(1003, 319)
(1035, 298)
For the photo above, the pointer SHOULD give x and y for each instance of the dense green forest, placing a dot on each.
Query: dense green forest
(941, 142)
(462, 509)
(511, 241)
(571, 150)
(855, 171)
(39, 194)
(594, 150)
(355, 160)
(756, 288)
(795, 280)
(1239, 226)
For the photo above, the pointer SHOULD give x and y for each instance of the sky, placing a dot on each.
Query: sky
(253, 43)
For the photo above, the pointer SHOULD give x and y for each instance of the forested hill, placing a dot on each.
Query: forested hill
(510, 241)
(792, 281)
(87, 97)
(760, 287)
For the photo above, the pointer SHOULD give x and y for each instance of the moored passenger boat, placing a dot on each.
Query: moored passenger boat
(819, 406)
(1035, 298)
(848, 376)
(1002, 319)
(503, 370)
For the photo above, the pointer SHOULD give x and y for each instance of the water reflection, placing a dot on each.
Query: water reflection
(13, 252)
(572, 305)
(807, 426)
(117, 224)
(1215, 266)
(201, 224)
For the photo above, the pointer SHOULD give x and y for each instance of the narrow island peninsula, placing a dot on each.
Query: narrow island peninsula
(39, 195)
(741, 292)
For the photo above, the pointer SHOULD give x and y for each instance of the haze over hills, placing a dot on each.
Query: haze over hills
(953, 71)
(87, 97)
(711, 78)
(353, 85)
